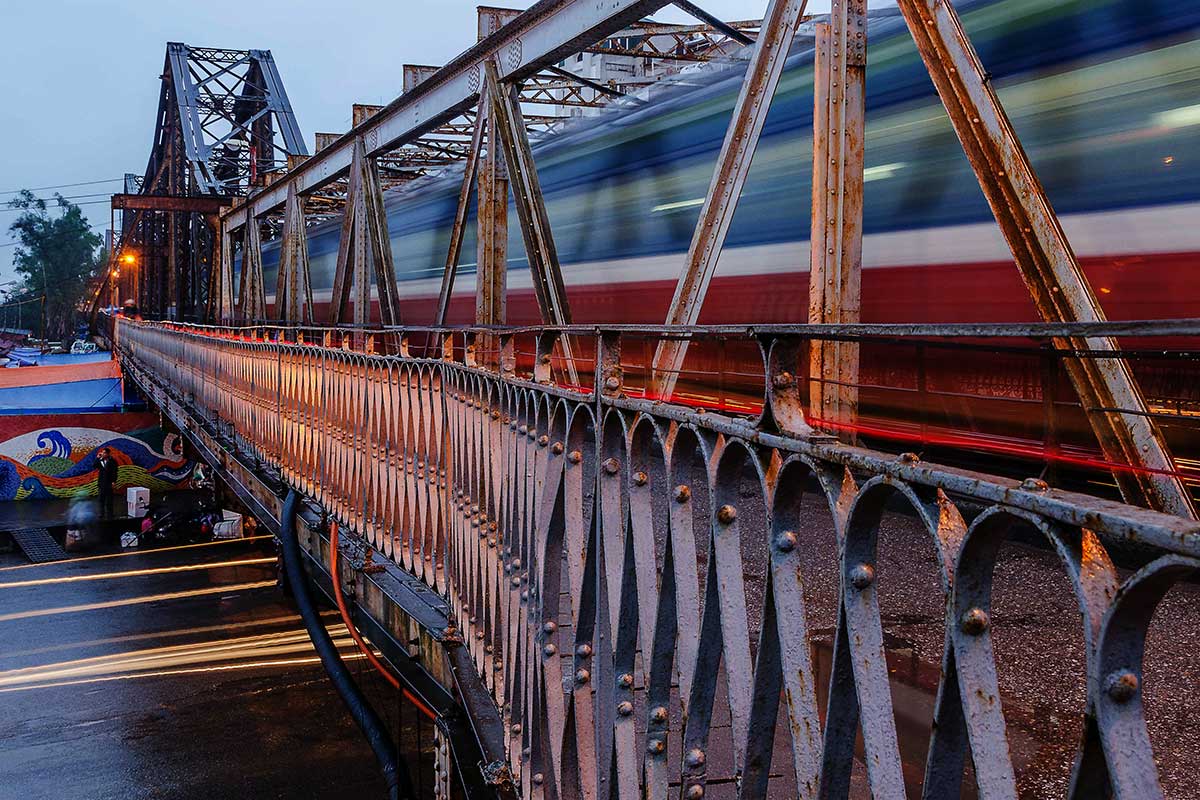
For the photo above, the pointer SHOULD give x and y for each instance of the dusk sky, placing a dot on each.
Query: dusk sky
(79, 78)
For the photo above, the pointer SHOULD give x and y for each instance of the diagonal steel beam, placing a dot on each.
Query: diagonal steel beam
(733, 165)
(460, 214)
(252, 301)
(293, 288)
(531, 209)
(545, 34)
(1044, 257)
(702, 15)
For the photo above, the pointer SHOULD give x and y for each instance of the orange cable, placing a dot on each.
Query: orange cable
(349, 623)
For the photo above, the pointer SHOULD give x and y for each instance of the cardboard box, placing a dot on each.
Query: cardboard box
(137, 500)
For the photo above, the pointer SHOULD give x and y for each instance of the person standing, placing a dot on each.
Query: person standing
(106, 477)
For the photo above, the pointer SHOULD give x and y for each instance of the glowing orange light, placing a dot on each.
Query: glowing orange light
(1169, 160)
(1105, 290)
(128, 258)
(116, 273)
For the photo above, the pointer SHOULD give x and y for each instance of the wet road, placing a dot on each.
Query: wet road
(175, 673)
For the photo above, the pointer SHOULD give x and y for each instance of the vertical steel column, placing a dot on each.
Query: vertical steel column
(733, 164)
(1047, 263)
(835, 276)
(222, 301)
(293, 289)
(252, 301)
(531, 209)
(364, 247)
(460, 215)
(491, 275)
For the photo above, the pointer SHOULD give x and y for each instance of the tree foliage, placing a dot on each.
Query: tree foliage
(56, 257)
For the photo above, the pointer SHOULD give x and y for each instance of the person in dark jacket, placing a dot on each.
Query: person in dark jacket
(106, 477)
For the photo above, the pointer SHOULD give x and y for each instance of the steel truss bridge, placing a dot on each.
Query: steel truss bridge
(601, 591)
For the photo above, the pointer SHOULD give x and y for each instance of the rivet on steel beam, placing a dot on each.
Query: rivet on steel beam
(640, 478)
(862, 576)
(695, 792)
(1121, 686)
(523, 429)
(682, 493)
(726, 514)
(538, 778)
(783, 380)
(575, 456)
(516, 728)
(695, 757)
(611, 466)
(550, 626)
(659, 714)
(543, 440)
(656, 747)
(1035, 485)
(557, 448)
(549, 650)
(786, 542)
(583, 650)
(625, 708)
(512, 425)
(516, 563)
(909, 458)
(524, 595)
(612, 383)
(516, 581)
(975, 621)
(625, 681)
(582, 676)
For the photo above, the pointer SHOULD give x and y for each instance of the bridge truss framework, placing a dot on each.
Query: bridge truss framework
(505, 494)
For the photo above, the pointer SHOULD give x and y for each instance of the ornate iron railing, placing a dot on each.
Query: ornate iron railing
(671, 602)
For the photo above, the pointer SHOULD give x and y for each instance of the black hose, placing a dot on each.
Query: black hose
(395, 771)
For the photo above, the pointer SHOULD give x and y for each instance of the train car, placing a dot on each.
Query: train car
(1105, 95)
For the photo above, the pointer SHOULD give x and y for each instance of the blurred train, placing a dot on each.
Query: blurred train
(1105, 95)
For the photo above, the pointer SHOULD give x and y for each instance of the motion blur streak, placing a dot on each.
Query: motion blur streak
(211, 652)
(136, 637)
(133, 601)
(193, 671)
(135, 553)
(133, 573)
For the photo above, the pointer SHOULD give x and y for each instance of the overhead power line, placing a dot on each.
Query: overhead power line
(61, 186)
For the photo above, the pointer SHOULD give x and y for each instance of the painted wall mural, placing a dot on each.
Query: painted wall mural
(54, 455)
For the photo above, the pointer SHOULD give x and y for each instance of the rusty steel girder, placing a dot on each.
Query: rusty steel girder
(571, 530)
(1043, 254)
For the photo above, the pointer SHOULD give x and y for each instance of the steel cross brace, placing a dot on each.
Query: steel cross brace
(1044, 257)
(531, 209)
(293, 287)
(364, 245)
(733, 165)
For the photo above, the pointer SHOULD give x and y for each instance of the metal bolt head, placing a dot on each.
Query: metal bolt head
(557, 449)
(612, 383)
(550, 626)
(783, 380)
(695, 757)
(625, 681)
(516, 582)
(659, 714)
(538, 778)
(516, 563)
(1121, 686)
(975, 621)
(1035, 485)
(726, 514)
(786, 542)
(575, 456)
(625, 708)
(862, 576)
(611, 466)
(909, 458)
(516, 729)
(640, 478)
(543, 440)
(656, 747)
(523, 429)
(584, 650)
(682, 493)
(695, 792)
(582, 676)
(549, 650)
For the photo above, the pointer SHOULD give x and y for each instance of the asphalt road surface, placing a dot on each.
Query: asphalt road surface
(176, 673)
